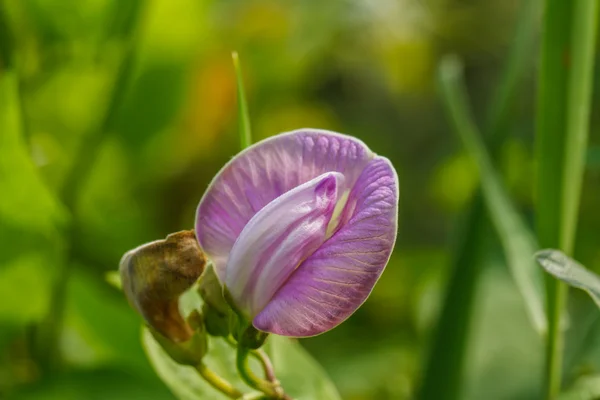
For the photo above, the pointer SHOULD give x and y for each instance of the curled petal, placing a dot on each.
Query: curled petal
(262, 173)
(335, 280)
(277, 239)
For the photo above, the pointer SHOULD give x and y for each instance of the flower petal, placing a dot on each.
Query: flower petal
(277, 239)
(262, 173)
(333, 282)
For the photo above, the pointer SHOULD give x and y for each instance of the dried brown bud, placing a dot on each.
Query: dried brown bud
(155, 274)
(192, 351)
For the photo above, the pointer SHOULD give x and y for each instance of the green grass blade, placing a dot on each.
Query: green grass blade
(552, 94)
(444, 368)
(583, 44)
(564, 94)
(514, 70)
(515, 236)
(243, 116)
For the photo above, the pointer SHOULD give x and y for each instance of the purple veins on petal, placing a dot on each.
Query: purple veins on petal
(334, 281)
(277, 239)
(265, 171)
(299, 228)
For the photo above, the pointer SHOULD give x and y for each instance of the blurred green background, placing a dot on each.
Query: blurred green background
(126, 109)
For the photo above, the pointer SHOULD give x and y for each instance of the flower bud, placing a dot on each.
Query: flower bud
(217, 324)
(245, 333)
(252, 338)
(155, 274)
(215, 309)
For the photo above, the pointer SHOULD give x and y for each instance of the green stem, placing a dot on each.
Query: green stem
(261, 357)
(268, 388)
(266, 364)
(217, 382)
(564, 97)
(583, 44)
(243, 116)
(549, 142)
(556, 293)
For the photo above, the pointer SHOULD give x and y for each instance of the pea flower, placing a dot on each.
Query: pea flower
(299, 228)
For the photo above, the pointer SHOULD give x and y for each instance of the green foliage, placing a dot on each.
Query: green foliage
(299, 374)
(587, 388)
(99, 384)
(29, 216)
(563, 113)
(570, 271)
(516, 238)
(105, 327)
(562, 267)
(444, 373)
(23, 283)
(30, 205)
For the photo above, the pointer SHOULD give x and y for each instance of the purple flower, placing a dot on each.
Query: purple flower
(299, 228)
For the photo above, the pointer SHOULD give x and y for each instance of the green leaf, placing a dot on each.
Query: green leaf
(31, 219)
(300, 375)
(25, 290)
(586, 388)
(516, 238)
(96, 384)
(582, 344)
(101, 328)
(562, 267)
(184, 381)
(30, 204)
(581, 347)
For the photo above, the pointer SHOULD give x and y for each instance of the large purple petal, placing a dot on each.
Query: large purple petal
(332, 283)
(265, 171)
(277, 239)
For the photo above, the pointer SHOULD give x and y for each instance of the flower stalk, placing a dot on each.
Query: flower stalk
(271, 388)
(266, 364)
(218, 382)
(261, 357)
